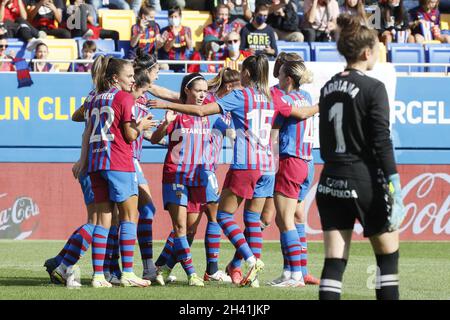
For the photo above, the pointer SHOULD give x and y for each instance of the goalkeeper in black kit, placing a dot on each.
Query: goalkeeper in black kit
(359, 179)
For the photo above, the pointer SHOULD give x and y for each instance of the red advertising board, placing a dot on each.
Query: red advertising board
(44, 201)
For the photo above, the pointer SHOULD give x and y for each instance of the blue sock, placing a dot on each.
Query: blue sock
(145, 231)
(304, 256)
(127, 241)
(183, 252)
(79, 244)
(292, 248)
(212, 246)
(99, 248)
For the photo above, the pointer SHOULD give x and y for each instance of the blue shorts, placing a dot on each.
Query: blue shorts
(175, 194)
(116, 186)
(140, 174)
(86, 187)
(209, 180)
(306, 185)
(265, 186)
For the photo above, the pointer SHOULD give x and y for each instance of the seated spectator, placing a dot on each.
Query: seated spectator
(13, 15)
(5, 66)
(41, 53)
(355, 8)
(220, 28)
(177, 40)
(209, 52)
(426, 22)
(81, 23)
(241, 11)
(320, 20)
(233, 53)
(44, 14)
(88, 52)
(145, 34)
(283, 19)
(258, 36)
(394, 22)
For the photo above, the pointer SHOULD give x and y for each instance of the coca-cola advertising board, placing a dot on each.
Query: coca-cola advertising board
(44, 201)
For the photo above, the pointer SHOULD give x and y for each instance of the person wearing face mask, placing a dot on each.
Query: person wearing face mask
(320, 20)
(220, 28)
(176, 39)
(210, 51)
(234, 55)
(258, 36)
(394, 22)
(145, 34)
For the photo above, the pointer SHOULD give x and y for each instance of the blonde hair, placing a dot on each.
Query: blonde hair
(225, 75)
(297, 71)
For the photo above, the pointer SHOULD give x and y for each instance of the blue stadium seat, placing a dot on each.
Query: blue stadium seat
(437, 53)
(162, 18)
(325, 52)
(404, 53)
(302, 48)
(104, 46)
(19, 48)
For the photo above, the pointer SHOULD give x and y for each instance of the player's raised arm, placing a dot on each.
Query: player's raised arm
(78, 115)
(205, 110)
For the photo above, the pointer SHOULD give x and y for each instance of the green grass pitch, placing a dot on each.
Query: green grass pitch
(424, 274)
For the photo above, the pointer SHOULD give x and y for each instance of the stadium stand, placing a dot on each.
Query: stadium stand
(162, 18)
(119, 20)
(303, 49)
(406, 53)
(62, 49)
(196, 20)
(437, 53)
(325, 52)
(104, 46)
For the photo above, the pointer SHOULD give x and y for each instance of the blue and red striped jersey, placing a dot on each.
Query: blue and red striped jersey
(253, 115)
(296, 137)
(184, 159)
(140, 110)
(108, 148)
(179, 50)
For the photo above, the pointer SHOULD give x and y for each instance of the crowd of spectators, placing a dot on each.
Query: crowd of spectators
(239, 28)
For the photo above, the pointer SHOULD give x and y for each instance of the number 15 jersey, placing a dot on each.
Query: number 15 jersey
(108, 148)
(253, 116)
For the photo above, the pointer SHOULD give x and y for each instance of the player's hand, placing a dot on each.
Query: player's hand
(147, 122)
(398, 212)
(157, 104)
(170, 116)
(231, 133)
(78, 169)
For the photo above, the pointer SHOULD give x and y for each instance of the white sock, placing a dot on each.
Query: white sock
(286, 274)
(297, 276)
(251, 261)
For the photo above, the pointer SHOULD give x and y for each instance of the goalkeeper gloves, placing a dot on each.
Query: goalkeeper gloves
(398, 212)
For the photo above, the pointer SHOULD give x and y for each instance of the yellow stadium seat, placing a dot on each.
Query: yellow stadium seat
(445, 21)
(431, 41)
(62, 49)
(119, 20)
(383, 53)
(197, 21)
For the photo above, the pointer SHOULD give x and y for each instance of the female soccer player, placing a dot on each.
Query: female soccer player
(359, 179)
(182, 167)
(111, 130)
(295, 150)
(252, 110)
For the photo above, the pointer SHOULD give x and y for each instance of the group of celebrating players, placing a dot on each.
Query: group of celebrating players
(359, 179)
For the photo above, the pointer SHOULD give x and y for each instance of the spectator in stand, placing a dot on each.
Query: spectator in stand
(394, 22)
(320, 20)
(220, 28)
(283, 19)
(233, 53)
(177, 40)
(84, 14)
(5, 66)
(13, 15)
(241, 11)
(258, 36)
(88, 52)
(41, 53)
(355, 8)
(426, 22)
(211, 47)
(145, 34)
(44, 14)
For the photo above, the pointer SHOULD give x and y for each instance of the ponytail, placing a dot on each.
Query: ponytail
(258, 70)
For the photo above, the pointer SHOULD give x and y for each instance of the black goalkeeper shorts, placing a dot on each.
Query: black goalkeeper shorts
(353, 191)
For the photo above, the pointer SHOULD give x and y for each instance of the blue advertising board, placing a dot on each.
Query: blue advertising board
(35, 123)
